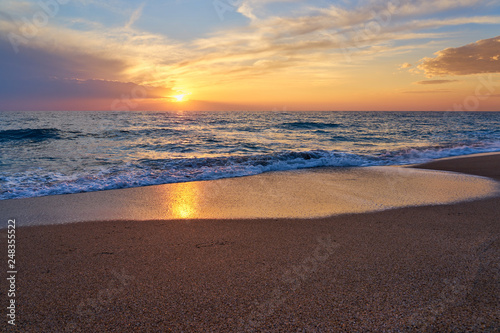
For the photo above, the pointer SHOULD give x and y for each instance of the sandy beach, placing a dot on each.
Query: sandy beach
(414, 269)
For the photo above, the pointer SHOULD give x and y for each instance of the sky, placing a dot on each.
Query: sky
(398, 55)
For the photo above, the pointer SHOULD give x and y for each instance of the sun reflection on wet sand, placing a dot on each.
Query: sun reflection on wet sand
(182, 201)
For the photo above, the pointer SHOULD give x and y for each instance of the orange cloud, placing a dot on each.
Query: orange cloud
(482, 56)
(437, 91)
(435, 82)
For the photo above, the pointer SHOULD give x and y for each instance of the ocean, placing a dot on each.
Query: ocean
(48, 153)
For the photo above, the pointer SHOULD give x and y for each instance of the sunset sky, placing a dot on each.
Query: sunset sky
(249, 55)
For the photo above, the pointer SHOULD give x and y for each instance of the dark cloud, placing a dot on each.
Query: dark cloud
(34, 77)
(57, 62)
(476, 58)
(72, 88)
(435, 82)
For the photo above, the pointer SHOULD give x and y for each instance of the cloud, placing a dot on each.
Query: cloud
(16, 8)
(136, 14)
(332, 30)
(98, 52)
(414, 7)
(437, 91)
(249, 8)
(405, 65)
(480, 57)
(44, 72)
(34, 62)
(246, 10)
(427, 82)
(73, 89)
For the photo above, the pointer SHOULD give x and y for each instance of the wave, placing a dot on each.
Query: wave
(146, 172)
(131, 134)
(308, 125)
(30, 134)
(42, 134)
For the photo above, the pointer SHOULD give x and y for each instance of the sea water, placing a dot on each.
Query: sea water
(47, 153)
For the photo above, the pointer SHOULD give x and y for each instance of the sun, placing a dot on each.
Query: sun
(179, 98)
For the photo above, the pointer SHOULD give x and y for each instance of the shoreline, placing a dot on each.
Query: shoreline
(409, 269)
(278, 171)
(484, 165)
(306, 193)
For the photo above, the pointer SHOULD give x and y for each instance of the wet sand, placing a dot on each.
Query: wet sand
(428, 268)
(480, 164)
(306, 193)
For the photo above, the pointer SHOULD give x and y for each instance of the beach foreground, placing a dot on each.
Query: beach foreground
(429, 268)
